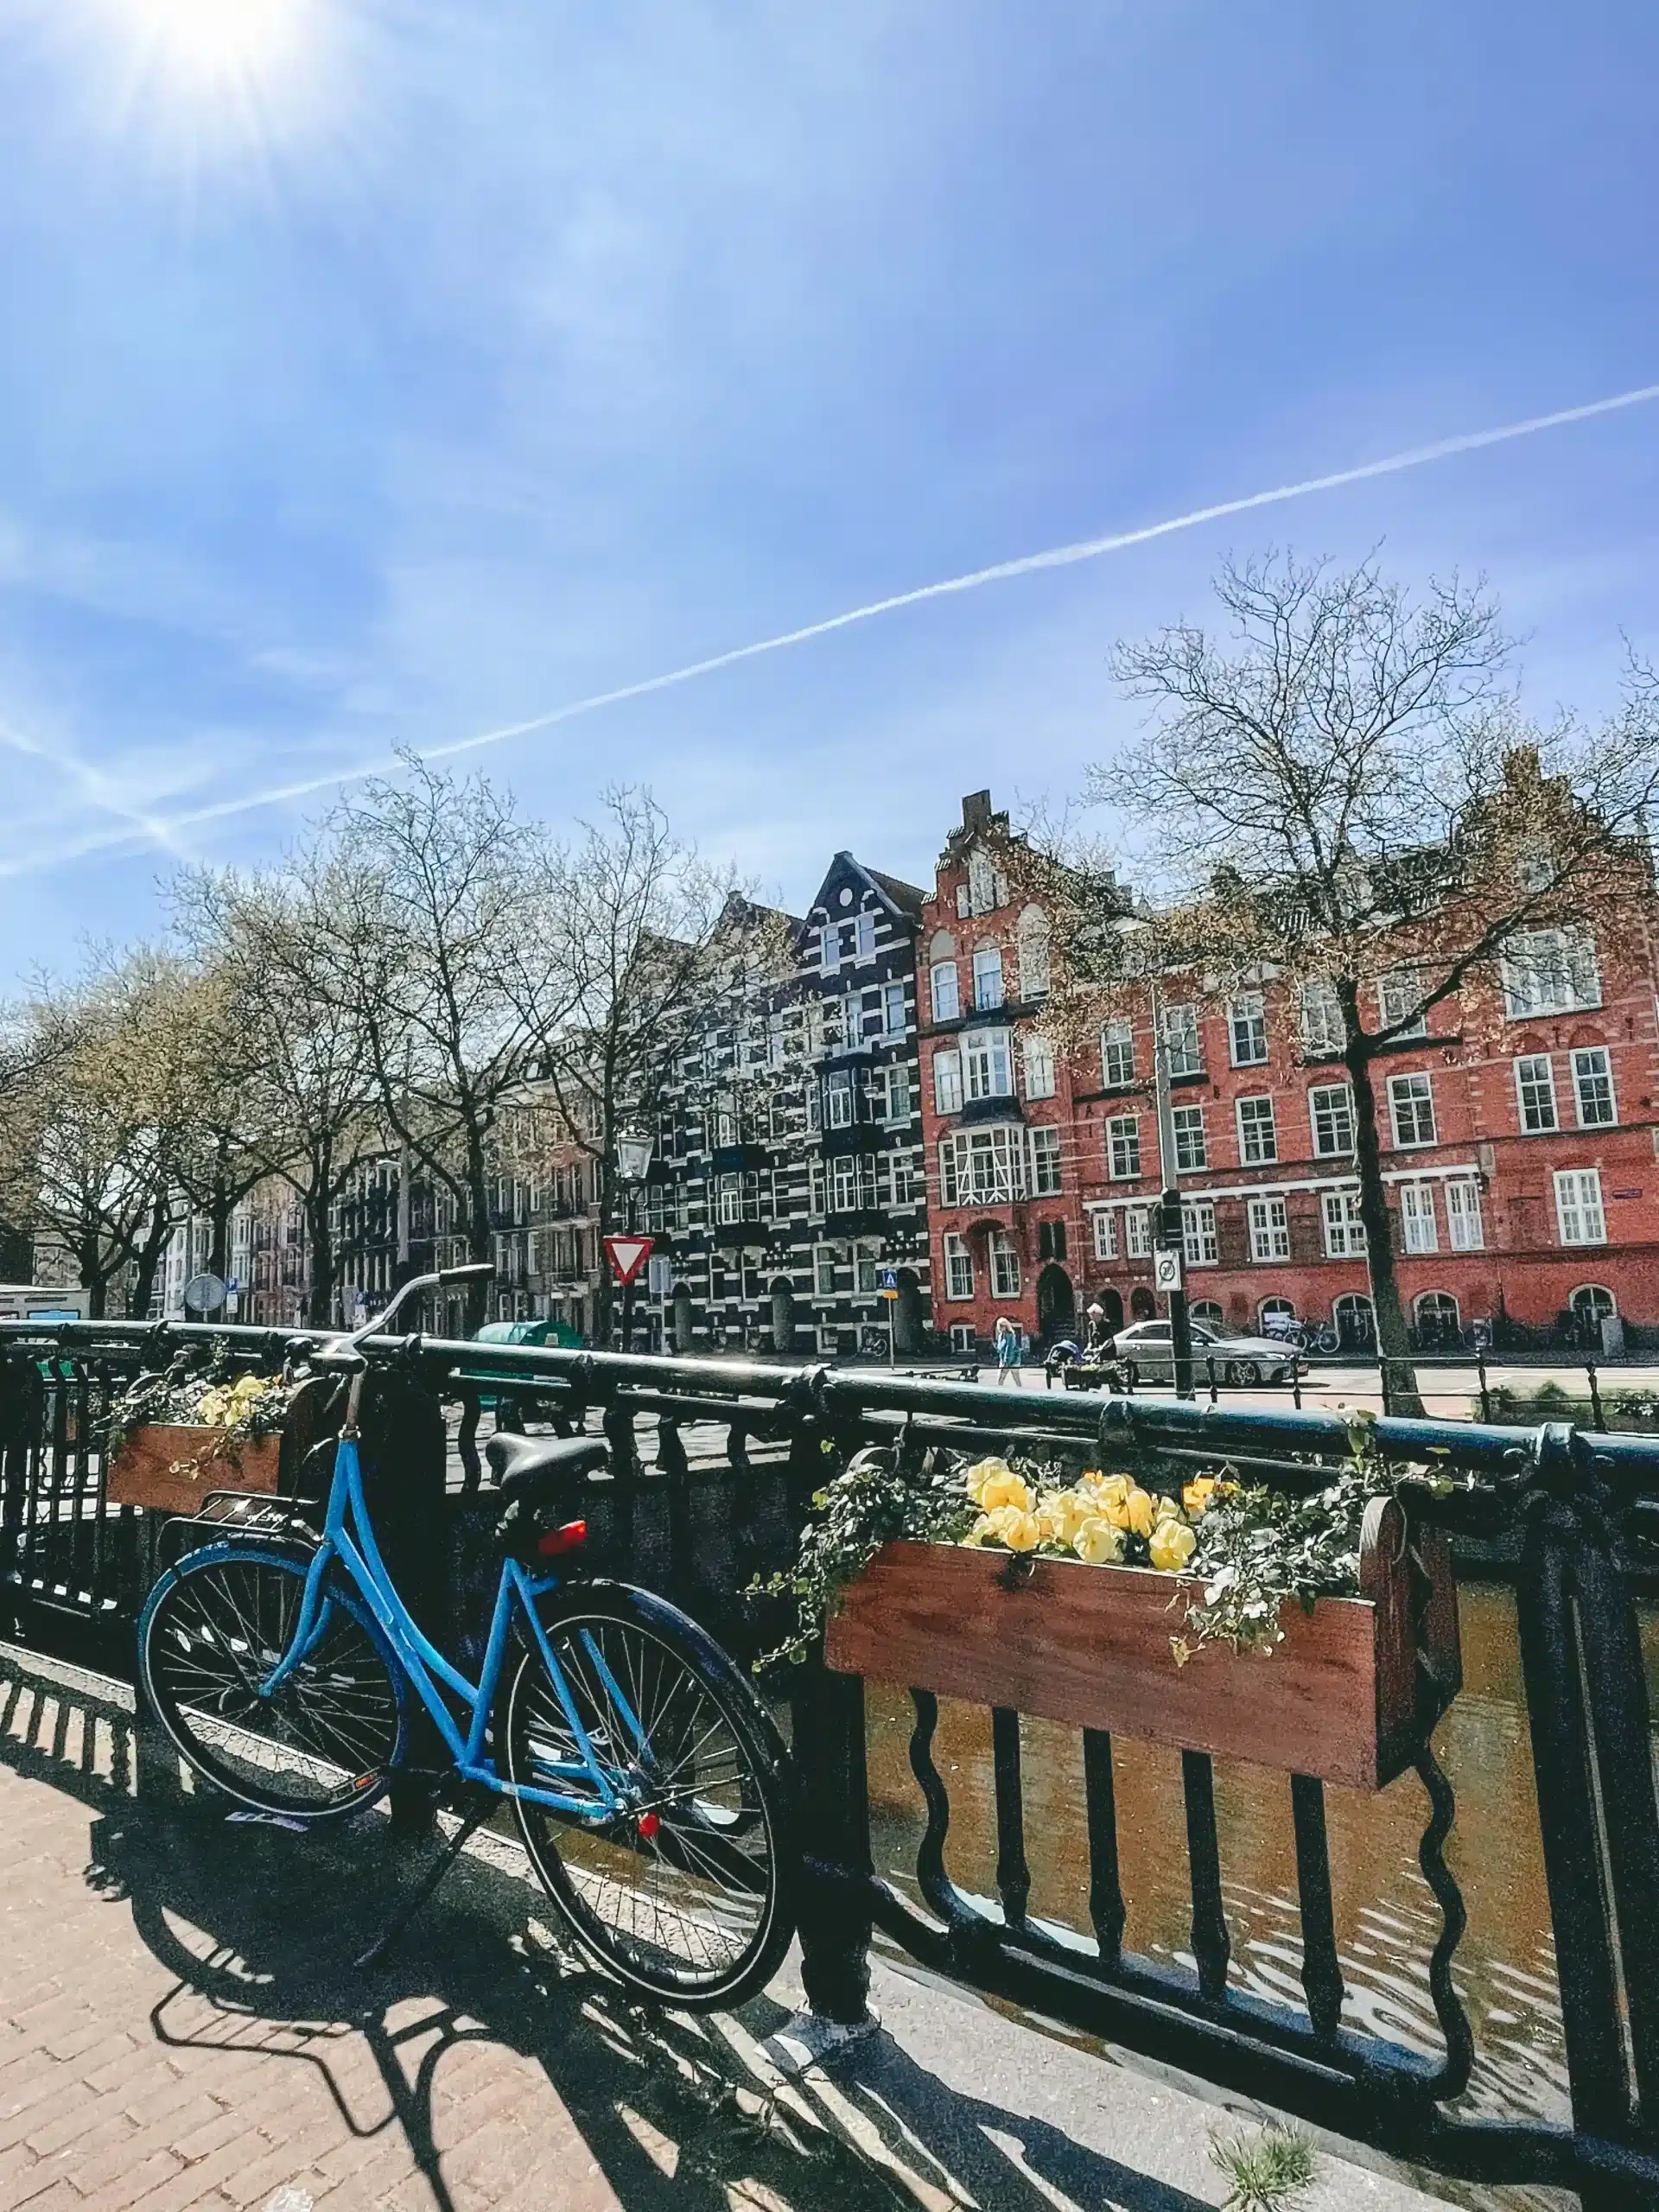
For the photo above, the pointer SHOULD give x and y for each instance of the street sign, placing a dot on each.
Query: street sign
(1165, 1270)
(205, 1292)
(888, 1279)
(627, 1255)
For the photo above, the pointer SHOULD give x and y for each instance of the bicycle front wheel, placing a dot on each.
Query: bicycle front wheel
(688, 1898)
(215, 1628)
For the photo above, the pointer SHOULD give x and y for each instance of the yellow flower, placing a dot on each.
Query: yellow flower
(983, 1472)
(1107, 1485)
(980, 1530)
(1173, 1544)
(1141, 1514)
(1063, 1512)
(1005, 1489)
(1021, 1532)
(1098, 1542)
(1197, 1495)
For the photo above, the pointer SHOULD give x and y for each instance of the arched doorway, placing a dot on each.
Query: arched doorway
(1111, 1306)
(1440, 1325)
(783, 1315)
(1207, 1312)
(1355, 1322)
(1057, 1303)
(682, 1317)
(907, 1326)
(1143, 1306)
(1590, 1305)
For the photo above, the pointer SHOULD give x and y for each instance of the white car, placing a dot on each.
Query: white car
(1238, 1360)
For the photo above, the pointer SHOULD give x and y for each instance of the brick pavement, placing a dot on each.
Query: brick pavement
(177, 2032)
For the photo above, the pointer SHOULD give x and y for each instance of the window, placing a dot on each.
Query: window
(1246, 1030)
(890, 1093)
(1105, 1235)
(1181, 1040)
(1198, 1233)
(1034, 955)
(1116, 1054)
(844, 1184)
(958, 1268)
(1462, 1228)
(1411, 1105)
(823, 1271)
(943, 978)
(1580, 1214)
(1534, 1090)
(1207, 1312)
(830, 948)
(893, 1007)
(1549, 971)
(1044, 1162)
(1051, 1240)
(1592, 1086)
(988, 978)
(1137, 1232)
(1592, 1304)
(1330, 1115)
(728, 1199)
(865, 1264)
(985, 1166)
(1399, 996)
(1258, 1137)
(905, 1181)
(947, 1083)
(838, 1099)
(1040, 1067)
(1124, 1148)
(1269, 1230)
(1438, 1319)
(1322, 1024)
(1344, 1232)
(1417, 1216)
(987, 887)
(950, 1174)
(1274, 1309)
(990, 1068)
(1192, 1151)
(1005, 1265)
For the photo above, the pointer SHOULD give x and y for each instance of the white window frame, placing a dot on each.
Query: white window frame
(1269, 1226)
(988, 1063)
(841, 1104)
(1322, 1027)
(1336, 1116)
(988, 993)
(1594, 1084)
(1418, 1219)
(1465, 1231)
(1117, 1053)
(1003, 1255)
(958, 1268)
(1187, 1122)
(947, 1083)
(1031, 946)
(1549, 971)
(1045, 1142)
(1258, 1132)
(1397, 993)
(1183, 1040)
(1537, 1110)
(1137, 1232)
(1344, 1232)
(1124, 1148)
(1411, 1110)
(823, 1271)
(1105, 1234)
(1580, 1209)
(843, 1183)
(1198, 1240)
(944, 991)
(1246, 1030)
(1038, 1053)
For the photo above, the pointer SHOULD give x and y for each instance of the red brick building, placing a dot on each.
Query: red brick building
(1519, 1127)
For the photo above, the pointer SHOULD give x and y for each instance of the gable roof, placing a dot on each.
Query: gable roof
(902, 900)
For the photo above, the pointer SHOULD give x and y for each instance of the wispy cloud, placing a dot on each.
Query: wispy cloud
(146, 828)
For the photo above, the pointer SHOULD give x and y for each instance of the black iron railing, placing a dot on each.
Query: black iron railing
(740, 1448)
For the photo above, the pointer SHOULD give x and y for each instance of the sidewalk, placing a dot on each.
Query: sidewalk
(179, 2030)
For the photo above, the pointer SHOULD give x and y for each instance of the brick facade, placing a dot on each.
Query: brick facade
(1520, 1137)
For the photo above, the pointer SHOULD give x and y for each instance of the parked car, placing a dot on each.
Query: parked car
(1146, 1346)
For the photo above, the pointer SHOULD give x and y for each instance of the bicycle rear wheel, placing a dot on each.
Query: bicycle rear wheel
(215, 1626)
(689, 1898)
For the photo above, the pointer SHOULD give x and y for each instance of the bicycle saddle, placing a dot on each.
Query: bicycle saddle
(531, 1467)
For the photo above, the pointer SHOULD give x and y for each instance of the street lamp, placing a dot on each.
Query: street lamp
(634, 1146)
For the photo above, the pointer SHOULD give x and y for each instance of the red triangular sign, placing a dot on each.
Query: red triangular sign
(627, 1255)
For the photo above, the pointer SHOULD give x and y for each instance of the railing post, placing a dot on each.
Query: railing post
(835, 1914)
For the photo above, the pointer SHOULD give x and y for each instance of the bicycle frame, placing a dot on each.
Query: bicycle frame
(349, 1537)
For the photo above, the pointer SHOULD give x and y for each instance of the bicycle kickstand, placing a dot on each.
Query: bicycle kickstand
(387, 1942)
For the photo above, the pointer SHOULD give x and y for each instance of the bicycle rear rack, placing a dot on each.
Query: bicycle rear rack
(242, 1513)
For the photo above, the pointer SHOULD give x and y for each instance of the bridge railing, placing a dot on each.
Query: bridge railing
(736, 1450)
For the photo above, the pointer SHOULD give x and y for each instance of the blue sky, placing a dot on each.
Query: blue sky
(449, 363)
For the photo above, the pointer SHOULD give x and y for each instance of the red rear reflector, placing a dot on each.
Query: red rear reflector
(563, 1540)
(648, 1824)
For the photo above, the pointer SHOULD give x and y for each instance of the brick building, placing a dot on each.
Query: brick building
(1518, 1122)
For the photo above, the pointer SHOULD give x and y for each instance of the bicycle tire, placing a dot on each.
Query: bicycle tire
(215, 1623)
(718, 1873)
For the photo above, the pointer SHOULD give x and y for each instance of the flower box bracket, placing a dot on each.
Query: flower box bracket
(1349, 1696)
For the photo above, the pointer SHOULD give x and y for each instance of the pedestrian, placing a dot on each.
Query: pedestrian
(1007, 1342)
(1095, 1336)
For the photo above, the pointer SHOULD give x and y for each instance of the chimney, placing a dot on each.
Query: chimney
(976, 810)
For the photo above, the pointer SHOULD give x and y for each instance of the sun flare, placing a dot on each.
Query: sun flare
(221, 44)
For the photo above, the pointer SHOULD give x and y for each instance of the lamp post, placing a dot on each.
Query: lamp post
(634, 1146)
(1169, 1236)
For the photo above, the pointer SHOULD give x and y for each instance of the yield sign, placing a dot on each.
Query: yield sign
(627, 1255)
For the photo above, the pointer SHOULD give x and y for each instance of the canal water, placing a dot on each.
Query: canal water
(1386, 1921)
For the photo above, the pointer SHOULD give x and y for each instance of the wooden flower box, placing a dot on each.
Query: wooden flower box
(1349, 1696)
(143, 1472)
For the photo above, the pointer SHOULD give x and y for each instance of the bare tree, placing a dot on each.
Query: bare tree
(298, 1051)
(1342, 794)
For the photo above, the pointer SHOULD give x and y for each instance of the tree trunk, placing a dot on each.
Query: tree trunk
(1400, 1391)
(481, 1242)
(319, 1301)
(150, 1258)
(220, 1207)
(94, 1279)
(606, 1224)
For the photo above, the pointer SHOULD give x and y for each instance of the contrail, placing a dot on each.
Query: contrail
(148, 827)
(1026, 564)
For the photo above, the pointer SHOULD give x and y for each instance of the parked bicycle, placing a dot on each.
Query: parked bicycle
(651, 1788)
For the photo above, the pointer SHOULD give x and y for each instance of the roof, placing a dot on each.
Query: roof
(903, 900)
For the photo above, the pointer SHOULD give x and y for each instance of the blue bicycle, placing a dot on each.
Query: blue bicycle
(651, 1788)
